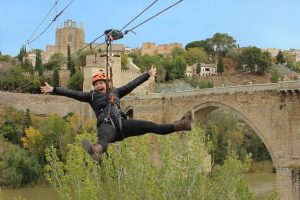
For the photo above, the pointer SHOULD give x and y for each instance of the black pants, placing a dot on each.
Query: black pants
(108, 134)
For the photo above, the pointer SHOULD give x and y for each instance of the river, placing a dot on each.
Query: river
(261, 184)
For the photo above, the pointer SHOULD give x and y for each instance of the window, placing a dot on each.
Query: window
(70, 38)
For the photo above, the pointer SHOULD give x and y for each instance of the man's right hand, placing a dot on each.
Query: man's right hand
(46, 89)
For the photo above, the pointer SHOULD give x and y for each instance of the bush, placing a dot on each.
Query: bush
(129, 171)
(23, 168)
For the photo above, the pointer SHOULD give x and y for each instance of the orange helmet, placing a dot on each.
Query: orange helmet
(99, 76)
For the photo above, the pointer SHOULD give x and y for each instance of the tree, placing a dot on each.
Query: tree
(222, 43)
(22, 54)
(178, 51)
(198, 69)
(38, 63)
(10, 131)
(220, 67)
(205, 44)
(55, 78)
(56, 61)
(6, 58)
(280, 58)
(27, 66)
(27, 122)
(124, 62)
(275, 76)
(175, 68)
(134, 175)
(254, 60)
(14, 79)
(23, 167)
(196, 55)
(146, 61)
(76, 81)
(33, 141)
(70, 62)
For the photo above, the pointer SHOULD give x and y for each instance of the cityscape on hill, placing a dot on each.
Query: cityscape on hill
(214, 62)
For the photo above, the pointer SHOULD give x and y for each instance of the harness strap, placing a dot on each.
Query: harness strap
(118, 114)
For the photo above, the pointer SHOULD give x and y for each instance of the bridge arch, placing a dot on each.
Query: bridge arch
(200, 111)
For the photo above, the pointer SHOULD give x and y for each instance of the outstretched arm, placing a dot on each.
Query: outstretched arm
(46, 89)
(78, 95)
(126, 89)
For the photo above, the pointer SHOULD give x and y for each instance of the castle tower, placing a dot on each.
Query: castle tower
(70, 35)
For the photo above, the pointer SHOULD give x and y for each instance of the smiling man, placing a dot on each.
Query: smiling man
(112, 124)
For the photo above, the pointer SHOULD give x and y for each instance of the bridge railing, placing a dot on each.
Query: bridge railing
(285, 85)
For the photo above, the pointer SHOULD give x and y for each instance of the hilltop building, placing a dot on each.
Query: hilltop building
(152, 49)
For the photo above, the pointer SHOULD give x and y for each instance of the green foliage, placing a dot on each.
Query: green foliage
(198, 69)
(205, 44)
(22, 54)
(275, 76)
(254, 60)
(280, 58)
(231, 173)
(23, 168)
(56, 132)
(27, 122)
(70, 62)
(80, 59)
(175, 68)
(124, 62)
(222, 43)
(55, 78)
(196, 82)
(220, 67)
(196, 55)
(38, 62)
(146, 61)
(129, 171)
(27, 66)
(258, 149)
(14, 78)
(76, 81)
(225, 130)
(13, 124)
(56, 61)
(6, 58)
(178, 51)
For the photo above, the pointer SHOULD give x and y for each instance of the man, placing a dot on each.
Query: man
(112, 124)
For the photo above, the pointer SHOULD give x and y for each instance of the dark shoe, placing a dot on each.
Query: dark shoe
(185, 123)
(95, 150)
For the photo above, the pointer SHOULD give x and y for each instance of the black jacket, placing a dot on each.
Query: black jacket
(98, 101)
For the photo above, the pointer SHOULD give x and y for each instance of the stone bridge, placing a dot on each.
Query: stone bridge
(271, 110)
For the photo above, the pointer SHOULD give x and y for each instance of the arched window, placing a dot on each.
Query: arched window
(70, 38)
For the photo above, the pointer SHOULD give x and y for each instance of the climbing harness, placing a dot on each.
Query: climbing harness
(111, 111)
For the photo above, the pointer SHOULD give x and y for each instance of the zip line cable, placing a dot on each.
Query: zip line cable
(54, 6)
(139, 15)
(130, 30)
(130, 21)
(54, 19)
(89, 44)
(104, 34)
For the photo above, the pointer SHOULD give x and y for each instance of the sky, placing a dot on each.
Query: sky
(260, 23)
